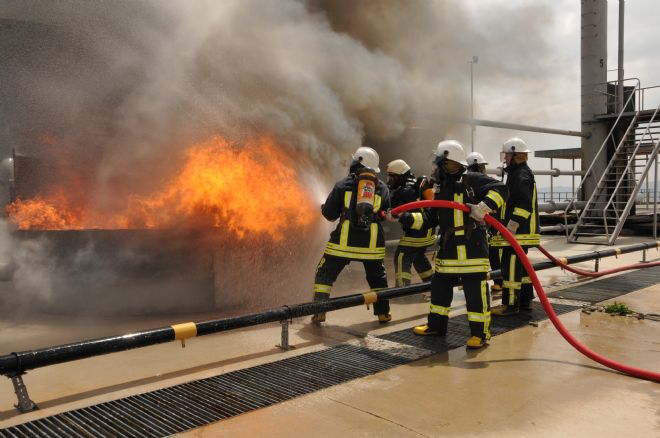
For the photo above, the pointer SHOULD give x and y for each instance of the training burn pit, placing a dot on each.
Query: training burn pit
(217, 235)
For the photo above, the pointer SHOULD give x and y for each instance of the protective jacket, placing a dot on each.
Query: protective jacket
(521, 207)
(417, 238)
(462, 246)
(350, 240)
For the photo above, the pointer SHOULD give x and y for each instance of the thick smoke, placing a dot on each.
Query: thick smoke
(117, 90)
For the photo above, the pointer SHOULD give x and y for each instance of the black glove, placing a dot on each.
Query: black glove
(406, 220)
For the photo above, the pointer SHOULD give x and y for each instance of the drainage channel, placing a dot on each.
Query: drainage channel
(193, 404)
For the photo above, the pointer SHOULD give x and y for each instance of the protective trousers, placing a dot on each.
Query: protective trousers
(517, 288)
(475, 287)
(329, 269)
(404, 258)
(495, 257)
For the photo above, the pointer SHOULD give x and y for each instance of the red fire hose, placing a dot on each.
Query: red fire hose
(632, 371)
(577, 271)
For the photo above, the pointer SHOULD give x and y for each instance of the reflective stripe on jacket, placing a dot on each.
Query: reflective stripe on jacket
(349, 240)
(521, 207)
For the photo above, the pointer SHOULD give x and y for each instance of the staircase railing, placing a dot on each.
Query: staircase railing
(590, 170)
(638, 184)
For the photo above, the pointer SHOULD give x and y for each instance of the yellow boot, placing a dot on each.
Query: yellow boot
(384, 318)
(475, 342)
(425, 330)
(503, 310)
(318, 318)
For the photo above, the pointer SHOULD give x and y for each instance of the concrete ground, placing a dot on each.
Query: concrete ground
(528, 382)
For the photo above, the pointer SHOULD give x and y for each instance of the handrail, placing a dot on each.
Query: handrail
(630, 202)
(629, 162)
(591, 166)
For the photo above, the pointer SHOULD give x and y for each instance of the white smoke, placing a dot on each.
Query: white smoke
(126, 86)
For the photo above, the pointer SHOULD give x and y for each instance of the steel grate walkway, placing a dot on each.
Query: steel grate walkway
(459, 331)
(193, 404)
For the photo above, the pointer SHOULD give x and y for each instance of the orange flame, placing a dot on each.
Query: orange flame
(246, 188)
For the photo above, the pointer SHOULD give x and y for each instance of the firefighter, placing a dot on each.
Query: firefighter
(477, 163)
(520, 214)
(359, 234)
(462, 255)
(404, 188)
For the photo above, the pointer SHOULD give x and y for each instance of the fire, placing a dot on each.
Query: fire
(251, 187)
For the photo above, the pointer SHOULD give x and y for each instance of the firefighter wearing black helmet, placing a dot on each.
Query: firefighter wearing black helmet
(411, 251)
(462, 255)
(357, 201)
(521, 217)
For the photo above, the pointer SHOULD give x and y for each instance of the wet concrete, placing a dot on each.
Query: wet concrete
(528, 382)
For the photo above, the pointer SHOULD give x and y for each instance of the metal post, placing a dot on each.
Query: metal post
(474, 60)
(573, 178)
(284, 342)
(644, 256)
(655, 200)
(596, 264)
(24, 402)
(552, 182)
(619, 94)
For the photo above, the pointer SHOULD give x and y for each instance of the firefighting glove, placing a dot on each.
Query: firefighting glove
(406, 220)
(389, 217)
(512, 226)
(479, 211)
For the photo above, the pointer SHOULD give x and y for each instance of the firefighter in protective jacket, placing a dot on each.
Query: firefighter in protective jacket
(357, 202)
(462, 254)
(477, 163)
(404, 188)
(521, 217)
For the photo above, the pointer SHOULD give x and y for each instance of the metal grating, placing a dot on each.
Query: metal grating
(183, 407)
(459, 330)
(612, 287)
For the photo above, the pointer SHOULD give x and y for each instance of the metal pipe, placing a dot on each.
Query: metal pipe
(619, 94)
(529, 128)
(593, 255)
(558, 227)
(552, 206)
(17, 363)
(504, 125)
(552, 172)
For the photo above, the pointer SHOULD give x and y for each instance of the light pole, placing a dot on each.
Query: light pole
(475, 59)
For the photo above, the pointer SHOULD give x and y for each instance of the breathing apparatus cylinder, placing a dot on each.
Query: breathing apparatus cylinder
(366, 193)
(428, 192)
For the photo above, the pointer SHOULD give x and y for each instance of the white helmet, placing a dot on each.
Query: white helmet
(515, 145)
(451, 150)
(475, 158)
(368, 157)
(398, 167)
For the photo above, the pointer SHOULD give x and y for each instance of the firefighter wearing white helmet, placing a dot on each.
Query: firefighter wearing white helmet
(462, 254)
(476, 162)
(411, 251)
(367, 157)
(520, 215)
(356, 201)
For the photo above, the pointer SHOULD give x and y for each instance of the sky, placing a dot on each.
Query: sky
(556, 99)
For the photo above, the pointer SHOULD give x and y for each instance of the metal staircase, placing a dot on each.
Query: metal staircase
(618, 186)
